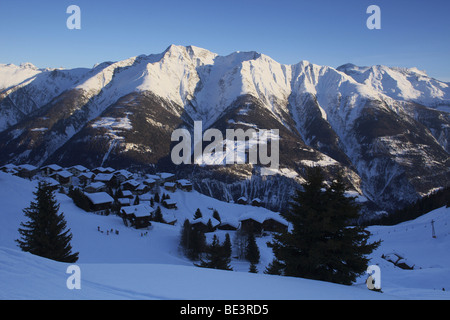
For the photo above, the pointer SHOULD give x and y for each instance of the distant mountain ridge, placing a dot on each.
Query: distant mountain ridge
(387, 128)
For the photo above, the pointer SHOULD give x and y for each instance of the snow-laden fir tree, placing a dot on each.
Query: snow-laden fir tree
(322, 244)
(45, 233)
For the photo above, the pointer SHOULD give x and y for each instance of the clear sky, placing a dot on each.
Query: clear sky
(414, 33)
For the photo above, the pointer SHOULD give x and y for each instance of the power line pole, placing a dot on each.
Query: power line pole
(433, 233)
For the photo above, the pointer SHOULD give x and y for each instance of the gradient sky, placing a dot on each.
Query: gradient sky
(413, 33)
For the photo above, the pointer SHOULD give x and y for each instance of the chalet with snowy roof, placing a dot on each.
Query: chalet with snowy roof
(153, 176)
(103, 170)
(141, 189)
(77, 170)
(95, 187)
(251, 223)
(123, 202)
(64, 177)
(150, 182)
(9, 168)
(204, 224)
(26, 171)
(228, 225)
(100, 201)
(257, 222)
(256, 202)
(130, 185)
(184, 185)
(127, 194)
(50, 169)
(106, 178)
(138, 215)
(86, 178)
(167, 177)
(123, 175)
(169, 204)
(275, 223)
(51, 183)
(242, 200)
(170, 186)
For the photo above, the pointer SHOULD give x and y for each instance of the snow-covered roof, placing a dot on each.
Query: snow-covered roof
(169, 201)
(262, 216)
(104, 177)
(139, 210)
(165, 175)
(64, 174)
(79, 168)
(27, 167)
(127, 174)
(127, 193)
(184, 182)
(169, 184)
(50, 181)
(87, 175)
(124, 201)
(204, 220)
(54, 167)
(96, 185)
(153, 176)
(133, 182)
(99, 197)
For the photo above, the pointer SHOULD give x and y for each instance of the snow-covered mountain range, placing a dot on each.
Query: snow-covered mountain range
(387, 128)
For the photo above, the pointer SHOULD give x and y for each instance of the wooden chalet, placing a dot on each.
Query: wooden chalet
(201, 224)
(26, 171)
(130, 185)
(256, 202)
(9, 168)
(184, 185)
(77, 170)
(123, 175)
(64, 177)
(86, 178)
(100, 201)
(251, 224)
(50, 169)
(169, 204)
(106, 178)
(167, 177)
(275, 224)
(228, 225)
(138, 215)
(170, 186)
(95, 187)
(242, 200)
(51, 183)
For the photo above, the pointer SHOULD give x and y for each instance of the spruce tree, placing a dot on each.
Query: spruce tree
(216, 257)
(252, 251)
(44, 234)
(322, 244)
(197, 214)
(192, 241)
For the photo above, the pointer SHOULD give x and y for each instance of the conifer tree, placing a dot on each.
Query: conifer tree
(215, 256)
(192, 241)
(197, 214)
(44, 234)
(252, 251)
(216, 215)
(322, 245)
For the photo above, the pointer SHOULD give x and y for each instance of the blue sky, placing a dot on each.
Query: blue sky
(413, 33)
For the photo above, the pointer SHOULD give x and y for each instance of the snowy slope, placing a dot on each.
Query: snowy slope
(135, 266)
